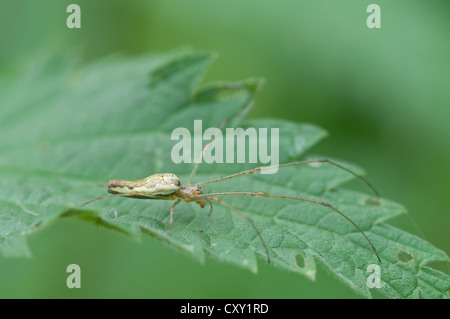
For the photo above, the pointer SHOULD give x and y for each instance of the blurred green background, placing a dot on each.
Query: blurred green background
(382, 94)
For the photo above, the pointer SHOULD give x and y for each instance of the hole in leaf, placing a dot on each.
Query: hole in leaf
(404, 257)
(372, 202)
(299, 261)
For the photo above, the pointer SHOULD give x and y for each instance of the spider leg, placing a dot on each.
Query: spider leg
(264, 168)
(171, 214)
(212, 196)
(242, 214)
(110, 196)
(211, 208)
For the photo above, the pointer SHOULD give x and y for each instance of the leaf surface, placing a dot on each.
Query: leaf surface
(65, 129)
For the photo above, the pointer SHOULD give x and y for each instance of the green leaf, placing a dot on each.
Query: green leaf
(65, 129)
